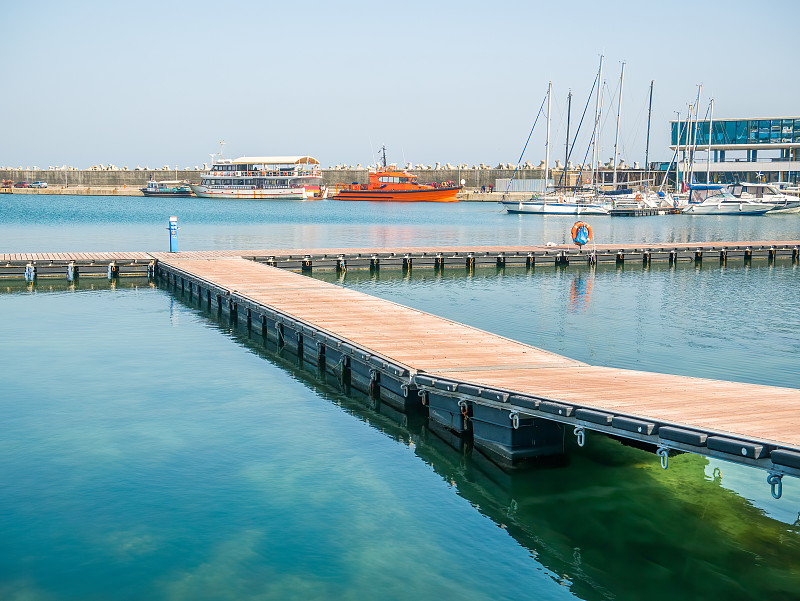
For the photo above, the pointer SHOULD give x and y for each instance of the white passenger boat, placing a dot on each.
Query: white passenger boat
(555, 205)
(267, 178)
(714, 199)
(766, 193)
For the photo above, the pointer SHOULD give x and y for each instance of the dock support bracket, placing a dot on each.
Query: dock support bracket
(530, 260)
(30, 272)
(775, 480)
(374, 263)
(663, 453)
(72, 271)
(113, 270)
(305, 264)
(698, 256)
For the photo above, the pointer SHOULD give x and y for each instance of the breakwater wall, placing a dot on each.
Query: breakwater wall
(473, 178)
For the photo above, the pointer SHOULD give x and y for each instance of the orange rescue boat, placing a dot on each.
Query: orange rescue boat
(393, 184)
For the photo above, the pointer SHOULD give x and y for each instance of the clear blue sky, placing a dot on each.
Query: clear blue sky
(155, 83)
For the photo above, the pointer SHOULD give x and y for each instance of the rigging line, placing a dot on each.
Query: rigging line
(674, 158)
(694, 147)
(569, 154)
(604, 118)
(539, 114)
(637, 125)
(585, 156)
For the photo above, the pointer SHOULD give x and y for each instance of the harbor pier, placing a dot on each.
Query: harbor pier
(515, 402)
(138, 263)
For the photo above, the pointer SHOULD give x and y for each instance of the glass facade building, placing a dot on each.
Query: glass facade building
(733, 132)
(765, 150)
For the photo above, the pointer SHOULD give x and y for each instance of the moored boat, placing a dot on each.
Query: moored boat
(766, 193)
(388, 183)
(166, 188)
(555, 205)
(263, 178)
(714, 199)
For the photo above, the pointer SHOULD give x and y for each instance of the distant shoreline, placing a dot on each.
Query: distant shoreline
(58, 190)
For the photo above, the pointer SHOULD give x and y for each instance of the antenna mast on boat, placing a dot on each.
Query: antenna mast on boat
(566, 144)
(686, 142)
(382, 152)
(694, 134)
(710, 138)
(547, 139)
(619, 112)
(595, 169)
(647, 144)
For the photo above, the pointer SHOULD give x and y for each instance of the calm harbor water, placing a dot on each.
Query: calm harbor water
(152, 451)
(32, 223)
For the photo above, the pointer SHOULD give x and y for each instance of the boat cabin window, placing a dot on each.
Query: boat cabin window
(394, 180)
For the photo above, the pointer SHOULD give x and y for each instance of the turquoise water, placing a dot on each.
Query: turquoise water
(151, 451)
(34, 223)
(738, 322)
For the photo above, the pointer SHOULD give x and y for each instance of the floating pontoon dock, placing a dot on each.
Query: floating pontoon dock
(516, 401)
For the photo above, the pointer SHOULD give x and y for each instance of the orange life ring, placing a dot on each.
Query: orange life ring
(639, 197)
(578, 225)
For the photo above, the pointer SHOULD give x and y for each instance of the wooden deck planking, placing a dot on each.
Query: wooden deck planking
(455, 351)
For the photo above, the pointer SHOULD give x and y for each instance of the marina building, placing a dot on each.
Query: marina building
(741, 150)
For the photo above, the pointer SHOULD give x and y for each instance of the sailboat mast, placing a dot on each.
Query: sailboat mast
(647, 144)
(686, 142)
(566, 144)
(619, 113)
(596, 132)
(694, 134)
(710, 138)
(547, 140)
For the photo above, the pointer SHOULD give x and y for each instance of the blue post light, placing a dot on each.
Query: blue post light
(173, 234)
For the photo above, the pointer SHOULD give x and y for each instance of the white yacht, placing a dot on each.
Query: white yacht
(555, 205)
(267, 178)
(767, 193)
(714, 199)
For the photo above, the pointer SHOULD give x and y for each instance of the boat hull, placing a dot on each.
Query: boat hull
(298, 193)
(739, 208)
(432, 195)
(179, 194)
(553, 208)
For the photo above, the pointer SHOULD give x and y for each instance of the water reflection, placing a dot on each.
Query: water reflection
(609, 525)
(81, 284)
(580, 292)
(685, 319)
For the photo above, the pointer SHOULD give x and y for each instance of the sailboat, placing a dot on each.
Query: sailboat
(555, 204)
